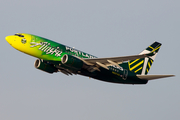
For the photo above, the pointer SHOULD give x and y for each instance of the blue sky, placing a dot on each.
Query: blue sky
(99, 27)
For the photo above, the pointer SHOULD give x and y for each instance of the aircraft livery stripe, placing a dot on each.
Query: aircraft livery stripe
(149, 65)
(138, 69)
(147, 70)
(133, 62)
(144, 66)
(136, 65)
(157, 48)
(151, 47)
(151, 61)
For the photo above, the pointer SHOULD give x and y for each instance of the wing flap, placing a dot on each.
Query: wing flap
(152, 77)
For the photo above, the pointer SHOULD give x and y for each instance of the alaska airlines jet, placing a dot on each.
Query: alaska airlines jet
(54, 57)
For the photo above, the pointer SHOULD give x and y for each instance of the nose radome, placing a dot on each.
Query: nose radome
(9, 39)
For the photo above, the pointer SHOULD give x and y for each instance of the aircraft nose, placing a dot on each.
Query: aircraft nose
(9, 39)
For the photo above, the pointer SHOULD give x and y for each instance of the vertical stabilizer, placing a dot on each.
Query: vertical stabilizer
(143, 65)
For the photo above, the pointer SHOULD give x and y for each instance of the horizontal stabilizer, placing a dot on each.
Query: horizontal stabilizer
(151, 77)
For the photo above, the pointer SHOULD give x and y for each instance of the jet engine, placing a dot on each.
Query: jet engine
(44, 66)
(72, 62)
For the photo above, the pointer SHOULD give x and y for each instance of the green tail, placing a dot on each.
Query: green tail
(143, 65)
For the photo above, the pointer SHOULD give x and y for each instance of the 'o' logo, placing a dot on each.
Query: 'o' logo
(23, 41)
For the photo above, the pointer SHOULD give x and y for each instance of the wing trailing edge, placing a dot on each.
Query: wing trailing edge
(152, 77)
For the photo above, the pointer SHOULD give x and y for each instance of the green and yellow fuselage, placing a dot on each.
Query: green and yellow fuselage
(42, 48)
(53, 52)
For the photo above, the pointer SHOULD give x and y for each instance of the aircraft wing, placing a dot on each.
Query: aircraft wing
(117, 60)
(151, 77)
(104, 62)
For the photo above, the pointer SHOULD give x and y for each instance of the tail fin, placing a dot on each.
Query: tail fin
(143, 65)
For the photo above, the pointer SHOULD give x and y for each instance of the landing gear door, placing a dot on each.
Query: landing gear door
(125, 74)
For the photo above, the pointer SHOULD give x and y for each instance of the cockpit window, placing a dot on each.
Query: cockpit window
(19, 35)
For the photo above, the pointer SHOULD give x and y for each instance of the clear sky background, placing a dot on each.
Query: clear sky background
(104, 28)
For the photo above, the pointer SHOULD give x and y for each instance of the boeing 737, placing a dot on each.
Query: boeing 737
(55, 57)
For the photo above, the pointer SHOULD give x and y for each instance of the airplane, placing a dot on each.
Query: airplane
(55, 57)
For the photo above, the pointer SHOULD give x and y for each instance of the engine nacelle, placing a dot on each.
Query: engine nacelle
(72, 62)
(39, 64)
